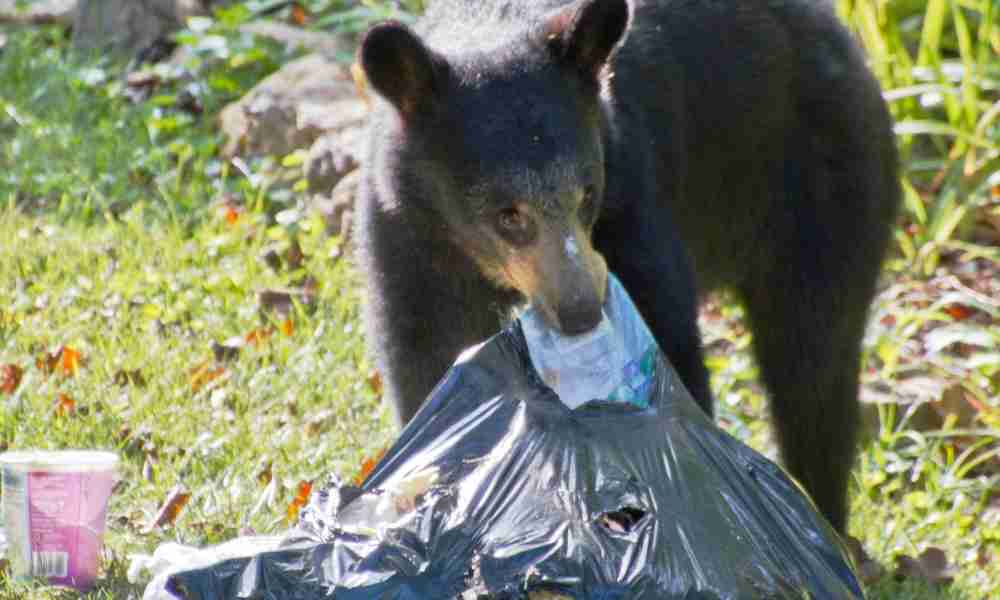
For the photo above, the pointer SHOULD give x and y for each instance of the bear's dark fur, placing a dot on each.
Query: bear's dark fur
(517, 145)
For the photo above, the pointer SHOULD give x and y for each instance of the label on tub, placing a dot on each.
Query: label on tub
(55, 522)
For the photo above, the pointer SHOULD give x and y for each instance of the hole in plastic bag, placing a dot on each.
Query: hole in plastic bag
(622, 520)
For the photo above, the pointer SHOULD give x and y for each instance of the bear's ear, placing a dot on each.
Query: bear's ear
(400, 68)
(585, 33)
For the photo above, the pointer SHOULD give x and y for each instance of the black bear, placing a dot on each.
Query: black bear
(520, 149)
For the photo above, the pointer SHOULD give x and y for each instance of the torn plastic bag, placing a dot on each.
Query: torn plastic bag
(497, 489)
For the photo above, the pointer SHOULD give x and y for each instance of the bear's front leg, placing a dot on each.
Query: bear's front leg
(425, 302)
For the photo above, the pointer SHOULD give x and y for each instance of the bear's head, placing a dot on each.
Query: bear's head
(499, 146)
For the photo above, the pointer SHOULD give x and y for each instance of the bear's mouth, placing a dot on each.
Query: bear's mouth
(577, 311)
(578, 319)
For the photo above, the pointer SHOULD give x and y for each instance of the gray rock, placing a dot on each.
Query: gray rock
(337, 207)
(130, 25)
(291, 108)
(296, 38)
(334, 176)
(331, 157)
(38, 12)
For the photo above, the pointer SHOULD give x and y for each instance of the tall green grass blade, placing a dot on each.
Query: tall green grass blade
(866, 19)
(970, 88)
(929, 54)
(982, 172)
(913, 202)
(989, 32)
(902, 62)
(987, 119)
(937, 128)
(917, 90)
(950, 217)
(930, 35)
(964, 465)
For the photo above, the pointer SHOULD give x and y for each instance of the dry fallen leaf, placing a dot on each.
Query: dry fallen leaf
(264, 474)
(294, 255)
(140, 85)
(281, 301)
(959, 312)
(10, 378)
(988, 219)
(367, 466)
(207, 528)
(123, 434)
(309, 287)
(963, 405)
(298, 15)
(314, 427)
(204, 373)
(256, 337)
(230, 209)
(133, 377)
(66, 359)
(983, 556)
(291, 405)
(869, 569)
(47, 362)
(375, 382)
(135, 444)
(64, 405)
(70, 360)
(302, 491)
(271, 258)
(931, 566)
(175, 502)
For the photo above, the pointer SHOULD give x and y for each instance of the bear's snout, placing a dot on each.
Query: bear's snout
(577, 318)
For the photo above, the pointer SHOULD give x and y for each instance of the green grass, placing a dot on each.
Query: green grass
(131, 297)
(114, 241)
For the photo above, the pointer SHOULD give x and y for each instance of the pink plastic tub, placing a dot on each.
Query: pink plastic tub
(54, 508)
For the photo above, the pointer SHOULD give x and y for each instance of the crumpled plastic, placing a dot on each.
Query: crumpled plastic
(614, 361)
(170, 558)
(497, 489)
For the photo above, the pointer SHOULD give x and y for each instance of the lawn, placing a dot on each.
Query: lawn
(158, 302)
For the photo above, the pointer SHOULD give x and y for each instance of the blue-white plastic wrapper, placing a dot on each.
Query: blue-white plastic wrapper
(497, 489)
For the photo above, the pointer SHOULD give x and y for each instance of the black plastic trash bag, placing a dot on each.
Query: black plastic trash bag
(496, 489)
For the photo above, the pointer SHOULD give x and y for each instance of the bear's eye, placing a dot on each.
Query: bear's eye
(516, 226)
(512, 220)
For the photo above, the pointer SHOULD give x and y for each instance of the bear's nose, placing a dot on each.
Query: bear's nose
(579, 317)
